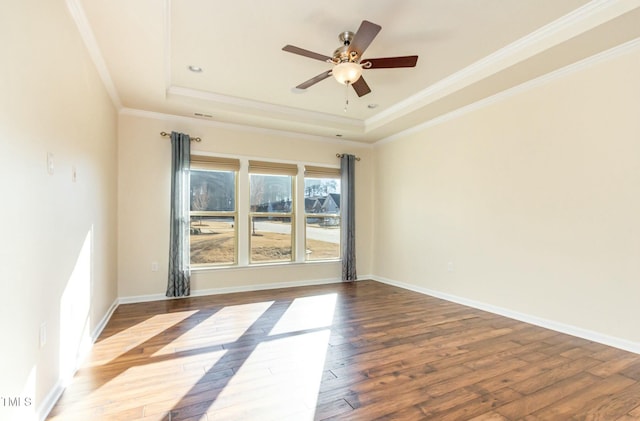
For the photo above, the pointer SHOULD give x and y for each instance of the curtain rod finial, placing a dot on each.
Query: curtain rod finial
(340, 155)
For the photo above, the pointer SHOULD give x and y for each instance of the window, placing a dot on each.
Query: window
(322, 212)
(213, 213)
(251, 215)
(271, 213)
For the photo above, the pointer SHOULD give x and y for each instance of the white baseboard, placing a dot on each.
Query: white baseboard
(230, 290)
(579, 332)
(50, 400)
(54, 394)
(105, 319)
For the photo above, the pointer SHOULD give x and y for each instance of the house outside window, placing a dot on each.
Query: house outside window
(322, 213)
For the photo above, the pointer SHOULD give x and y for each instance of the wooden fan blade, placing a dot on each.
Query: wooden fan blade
(314, 80)
(389, 62)
(361, 87)
(366, 33)
(306, 53)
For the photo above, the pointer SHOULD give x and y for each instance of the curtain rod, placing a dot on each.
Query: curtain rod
(340, 155)
(193, 139)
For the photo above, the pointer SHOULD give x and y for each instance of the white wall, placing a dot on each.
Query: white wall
(58, 249)
(534, 200)
(144, 161)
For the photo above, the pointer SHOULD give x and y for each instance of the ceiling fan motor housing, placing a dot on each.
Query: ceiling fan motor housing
(346, 37)
(342, 54)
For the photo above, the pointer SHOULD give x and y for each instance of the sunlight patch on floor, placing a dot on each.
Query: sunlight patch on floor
(282, 376)
(307, 313)
(262, 360)
(223, 327)
(197, 346)
(131, 337)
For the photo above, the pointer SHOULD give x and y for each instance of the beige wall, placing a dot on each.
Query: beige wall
(534, 200)
(144, 185)
(58, 249)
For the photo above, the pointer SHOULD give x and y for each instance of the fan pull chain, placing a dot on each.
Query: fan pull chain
(346, 96)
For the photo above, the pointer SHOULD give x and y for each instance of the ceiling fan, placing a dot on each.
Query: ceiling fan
(348, 62)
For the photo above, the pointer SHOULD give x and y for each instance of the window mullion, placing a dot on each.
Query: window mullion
(243, 213)
(300, 232)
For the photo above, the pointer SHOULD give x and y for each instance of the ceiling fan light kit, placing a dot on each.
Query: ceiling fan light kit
(347, 72)
(347, 59)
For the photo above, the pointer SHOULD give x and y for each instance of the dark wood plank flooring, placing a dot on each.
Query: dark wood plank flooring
(361, 351)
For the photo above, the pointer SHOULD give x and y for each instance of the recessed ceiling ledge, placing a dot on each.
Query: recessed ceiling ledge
(579, 21)
(272, 110)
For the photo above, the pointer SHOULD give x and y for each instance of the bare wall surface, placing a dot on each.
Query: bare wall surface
(144, 161)
(529, 204)
(58, 253)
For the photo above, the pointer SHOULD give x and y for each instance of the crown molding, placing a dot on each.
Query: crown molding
(89, 39)
(578, 21)
(604, 56)
(244, 103)
(241, 127)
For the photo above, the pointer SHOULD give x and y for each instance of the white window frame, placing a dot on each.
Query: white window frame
(210, 163)
(272, 168)
(243, 214)
(320, 173)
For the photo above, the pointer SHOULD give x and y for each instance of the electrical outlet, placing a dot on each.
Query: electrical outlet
(74, 174)
(43, 335)
(450, 267)
(154, 266)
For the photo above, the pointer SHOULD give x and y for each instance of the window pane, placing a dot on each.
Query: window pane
(213, 239)
(322, 209)
(213, 190)
(323, 237)
(271, 193)
(322, 195)
(271, 239)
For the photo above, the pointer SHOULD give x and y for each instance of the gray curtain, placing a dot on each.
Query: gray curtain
(347, 211)
(179, 283)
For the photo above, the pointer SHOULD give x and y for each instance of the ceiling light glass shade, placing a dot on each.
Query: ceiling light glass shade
(347, 72)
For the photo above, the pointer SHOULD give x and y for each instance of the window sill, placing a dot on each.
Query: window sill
(263, 265)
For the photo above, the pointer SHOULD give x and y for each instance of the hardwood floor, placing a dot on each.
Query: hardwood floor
(359, 351)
